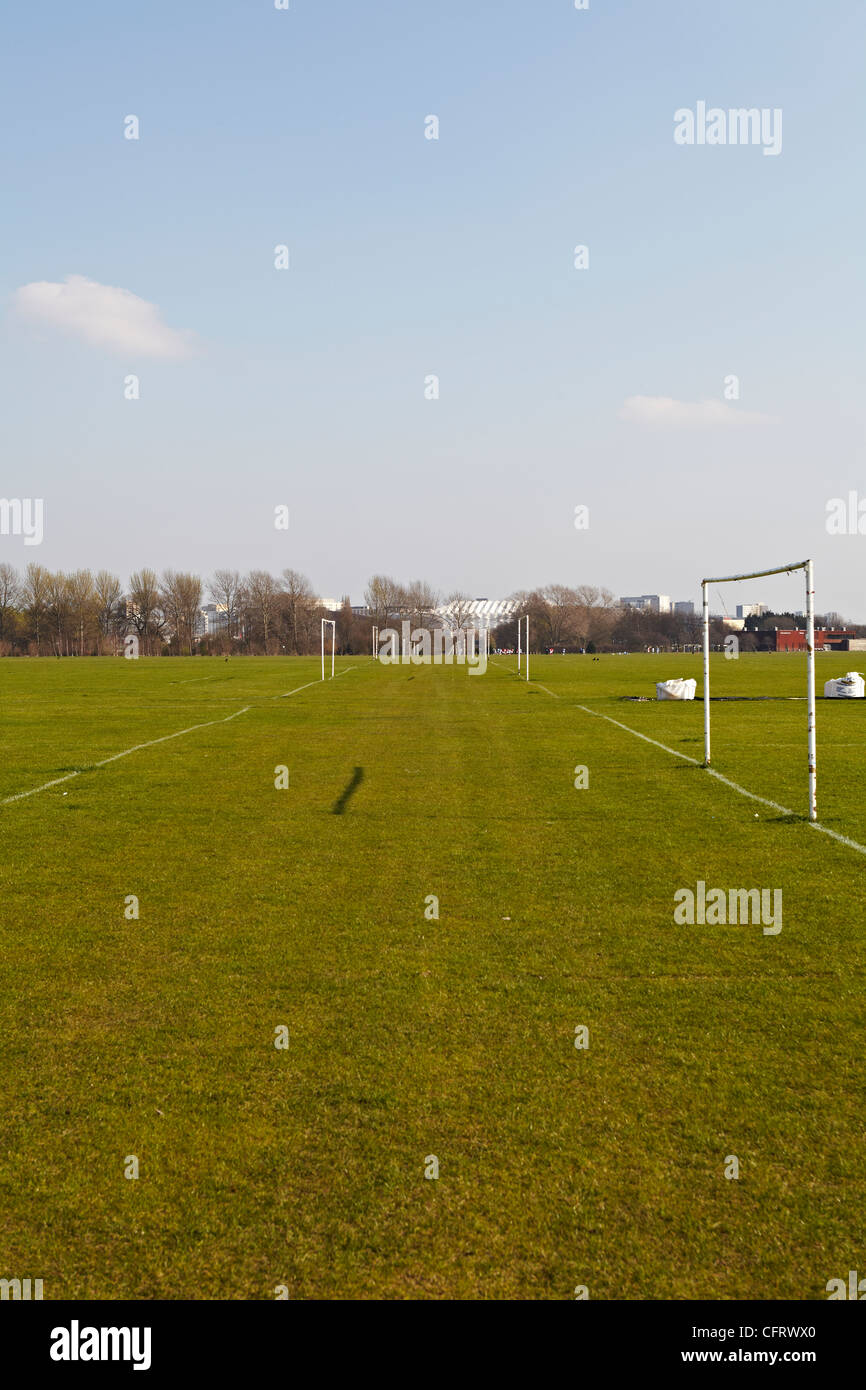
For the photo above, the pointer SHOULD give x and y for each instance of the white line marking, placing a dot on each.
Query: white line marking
(685, 757)
(294, 692)
(103, 762)
(136, 748)
(734, 786)
(309, 683)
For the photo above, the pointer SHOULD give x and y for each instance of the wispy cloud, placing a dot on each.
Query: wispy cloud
(101, 315)
(665, 412)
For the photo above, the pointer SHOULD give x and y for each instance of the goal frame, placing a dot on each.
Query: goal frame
(808, 567)
(332, 624)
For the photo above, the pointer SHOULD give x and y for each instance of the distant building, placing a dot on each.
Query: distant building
(658, 603)
(751, 610)
(332, 605)
(210, 619)
(483, 612)
(648, 603)
(778, 639)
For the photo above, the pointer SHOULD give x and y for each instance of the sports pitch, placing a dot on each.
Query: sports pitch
(303, 1167)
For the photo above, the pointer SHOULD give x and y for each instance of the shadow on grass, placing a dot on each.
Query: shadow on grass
(348, 792)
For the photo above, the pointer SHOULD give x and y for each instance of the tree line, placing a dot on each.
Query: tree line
(44, 612)
(85, 614)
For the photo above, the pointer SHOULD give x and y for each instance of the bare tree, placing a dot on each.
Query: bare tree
(180, 597)
(604, 615)
(144, 608)
(596, 615)
(831, 621)
(457, 615)
(346, 626)
(263, 593)
(561, 604)
(169, 603)
(383, 597)
(420, 602)
(10, 597)
(189, 590)
(110, 610)
(82, 603)
(59, 609)
(35, 597)
(297, 602)
(225, 590)
(534, 604)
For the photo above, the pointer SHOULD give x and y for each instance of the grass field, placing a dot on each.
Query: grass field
(410, 1037)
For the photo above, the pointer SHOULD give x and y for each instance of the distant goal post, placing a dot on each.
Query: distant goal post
(331, 623)
(806, 566)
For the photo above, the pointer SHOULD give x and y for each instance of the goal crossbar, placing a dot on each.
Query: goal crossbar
(757, 574)
(810, 662)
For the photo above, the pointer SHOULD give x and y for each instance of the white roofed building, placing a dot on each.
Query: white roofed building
(477, 612)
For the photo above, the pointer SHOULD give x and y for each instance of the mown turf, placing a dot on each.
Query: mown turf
(412, 1037)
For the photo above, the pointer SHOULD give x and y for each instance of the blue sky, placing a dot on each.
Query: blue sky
(454, 257)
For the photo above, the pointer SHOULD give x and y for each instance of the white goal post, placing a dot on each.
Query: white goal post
(331, 623)
(520, 622)
(810, 663)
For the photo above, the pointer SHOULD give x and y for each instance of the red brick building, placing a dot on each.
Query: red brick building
(794, 639)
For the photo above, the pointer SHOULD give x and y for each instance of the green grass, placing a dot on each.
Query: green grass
(411, 1037)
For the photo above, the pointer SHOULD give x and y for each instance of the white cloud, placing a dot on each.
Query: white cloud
(101, 315)
(666, 412)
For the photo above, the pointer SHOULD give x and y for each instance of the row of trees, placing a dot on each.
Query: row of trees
(81, 613)
(579, 618)
(560, 616)
(590, 619)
